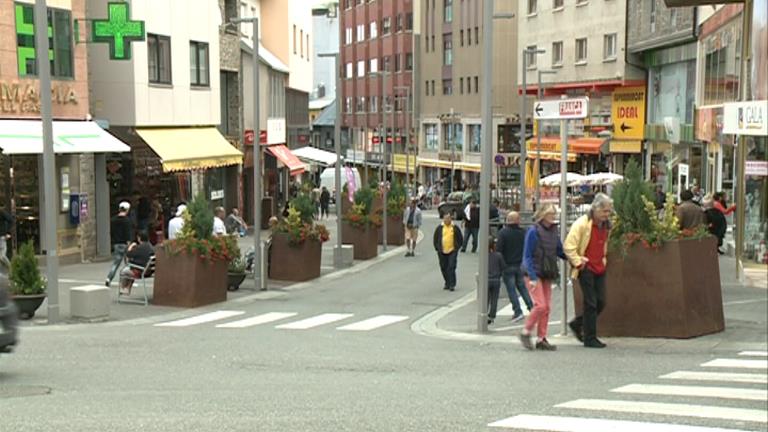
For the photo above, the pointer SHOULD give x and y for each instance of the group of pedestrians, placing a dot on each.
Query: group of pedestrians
(710, 212)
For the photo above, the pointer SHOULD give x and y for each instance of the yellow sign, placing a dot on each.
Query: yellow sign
(401, 162)
(628, 112)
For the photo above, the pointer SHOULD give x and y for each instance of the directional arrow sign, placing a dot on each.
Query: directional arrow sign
(560, 109)
(624, 127)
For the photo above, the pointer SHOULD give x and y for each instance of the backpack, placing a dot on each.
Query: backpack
(549, 270)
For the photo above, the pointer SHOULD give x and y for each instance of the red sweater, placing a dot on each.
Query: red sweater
(595, 252)
(718, 205)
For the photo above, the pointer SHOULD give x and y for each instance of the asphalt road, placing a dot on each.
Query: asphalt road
(374, 375)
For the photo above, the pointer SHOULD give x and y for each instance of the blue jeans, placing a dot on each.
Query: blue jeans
(118, 254)
(513, 280)
(470, 232)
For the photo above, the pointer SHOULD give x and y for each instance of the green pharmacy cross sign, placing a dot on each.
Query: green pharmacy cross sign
(118, 31)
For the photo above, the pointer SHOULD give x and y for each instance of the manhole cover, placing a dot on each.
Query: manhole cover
(23, 391)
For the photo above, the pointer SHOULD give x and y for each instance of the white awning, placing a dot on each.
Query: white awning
(316, 155)
(26, 137)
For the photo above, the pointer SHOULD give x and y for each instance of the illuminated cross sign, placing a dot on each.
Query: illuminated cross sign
(118, 30)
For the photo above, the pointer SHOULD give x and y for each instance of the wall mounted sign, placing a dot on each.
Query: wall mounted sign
(118, 31)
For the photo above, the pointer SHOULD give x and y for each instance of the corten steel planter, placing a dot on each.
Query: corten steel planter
(364, 240)
(671, 292)
(395, 231)
(184, 280)
(294, 263)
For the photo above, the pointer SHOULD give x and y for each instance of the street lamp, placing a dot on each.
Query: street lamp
(383, 74)
(408, 112)
(450, 120)
(257, 260)
(337, 261)
(523, 149)
(540, 95)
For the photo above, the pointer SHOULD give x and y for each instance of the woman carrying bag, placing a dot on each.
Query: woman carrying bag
(542, 249)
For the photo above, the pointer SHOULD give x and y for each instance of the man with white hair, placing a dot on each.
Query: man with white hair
(121, 234)
(586, 247)
(177, 223)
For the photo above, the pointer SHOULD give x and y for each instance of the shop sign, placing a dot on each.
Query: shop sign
(275, 131)
(628, 112)
(24, 97)
(709, 123)
(217, 194)
(561, 109)
(756, 168)
(118, 30)
(746, 118)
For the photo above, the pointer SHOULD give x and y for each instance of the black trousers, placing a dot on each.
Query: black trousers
(494, 286)
(593, 293)
(448, 268)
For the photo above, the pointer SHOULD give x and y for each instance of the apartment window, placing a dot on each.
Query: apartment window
(360, 32)
(349, 71)
(348, 105)
(159, 52)
(477, 35)
(374, 104)
(348, 35)
(461, 37)
(431, 139)
(399, 23)
(448, 49)
(581, 51)
(461, 85)
(433, 87)
(673, 16)
(454, 136)
(374, 66)
(397, 62)
(653, 16)
(347, 4)
(530, 56)
(386, 26)
(307, 46)
(609, 46)
(433, 43)
(557, 4)
(360, 104)
(409, 21)
(408, 61)
(448, 11)
(475, 138)
(426, 87)
(557, 54)
(301, 42)
(532, 6)
(59, 43)
(477, 86)
(447, 87)
(198, 64)
(361, 68)
(373, 30)
(469, 85)
(294, 39)
(385, 63)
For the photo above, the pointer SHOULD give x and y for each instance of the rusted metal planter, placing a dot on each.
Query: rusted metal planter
(184, 280)
(364, 240)
(296, 263)
(395, 231)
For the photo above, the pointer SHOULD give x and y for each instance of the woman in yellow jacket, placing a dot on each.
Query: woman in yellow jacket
(586, 247)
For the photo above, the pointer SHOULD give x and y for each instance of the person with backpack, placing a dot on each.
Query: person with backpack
(540, 253)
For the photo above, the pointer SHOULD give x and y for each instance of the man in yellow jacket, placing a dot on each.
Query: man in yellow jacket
(586, 247)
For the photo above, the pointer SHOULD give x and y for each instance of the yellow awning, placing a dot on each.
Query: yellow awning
(470, 167)
(625, 146)
(183, 149)
(436, 163)
(551, 156)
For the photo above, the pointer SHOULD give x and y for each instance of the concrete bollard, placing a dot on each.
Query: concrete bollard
(347, 254)
(90, 302)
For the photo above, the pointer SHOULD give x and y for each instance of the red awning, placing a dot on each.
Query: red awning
(288, 159)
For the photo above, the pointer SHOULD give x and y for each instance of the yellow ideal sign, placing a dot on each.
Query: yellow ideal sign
(628, 112)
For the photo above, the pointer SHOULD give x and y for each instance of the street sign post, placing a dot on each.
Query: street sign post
(561, 109)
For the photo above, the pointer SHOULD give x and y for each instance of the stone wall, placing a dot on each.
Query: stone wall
(88, 186)
(670, 25)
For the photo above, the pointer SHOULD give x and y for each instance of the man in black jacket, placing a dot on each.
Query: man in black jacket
(121, 232)
(447, 241)
(472, 225)
(510, 243)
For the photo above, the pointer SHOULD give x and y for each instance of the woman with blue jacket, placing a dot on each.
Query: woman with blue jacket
(540, 253)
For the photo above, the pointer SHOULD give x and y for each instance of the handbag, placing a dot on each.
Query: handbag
(549, 270)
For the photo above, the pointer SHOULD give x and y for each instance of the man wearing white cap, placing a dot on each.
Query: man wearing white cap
(175, 224)
(121, 234)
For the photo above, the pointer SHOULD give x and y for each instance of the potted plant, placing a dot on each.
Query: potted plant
(191, 270)
(297, 239)
(396, 202)
(361, 225)
(235, 272)
(27, 284)
(661, 281)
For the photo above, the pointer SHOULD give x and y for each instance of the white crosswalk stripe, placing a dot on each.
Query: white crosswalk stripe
(201, 319)
(754, 353)
(670, 409)
(374, 323)
(737, 363)
(717, 376)
(258, 320)
(580, 424)
(698, 391)
(315, 321)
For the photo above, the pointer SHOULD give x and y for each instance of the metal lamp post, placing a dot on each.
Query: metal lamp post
(523, 124)
(540, 93)
(337, 261)
(408, 111)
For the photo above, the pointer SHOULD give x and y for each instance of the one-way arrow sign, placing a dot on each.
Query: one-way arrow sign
(561, 109)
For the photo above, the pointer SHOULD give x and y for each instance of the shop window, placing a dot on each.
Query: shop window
(430, 136)
(198, 64)
(159, 52)
(721, 64)
(60, 41)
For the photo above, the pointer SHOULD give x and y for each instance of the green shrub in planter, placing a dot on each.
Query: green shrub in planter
(25, 275)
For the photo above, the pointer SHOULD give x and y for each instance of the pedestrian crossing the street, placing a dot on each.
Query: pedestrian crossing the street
(728, 391)
(287, 321)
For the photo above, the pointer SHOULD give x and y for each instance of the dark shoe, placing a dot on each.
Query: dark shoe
(490, 321)
(446, 288)
(517, 317)
(526, 341)
(451, 288)
(107, 283)
(463, 251)
(544, 345)
(576, 331)
(594, 343)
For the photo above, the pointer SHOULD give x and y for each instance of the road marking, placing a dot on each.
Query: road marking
(754, 353)
(257, 320)
(201, 319)
(670, 409)
(373, 323)
(507, 311)
(718, 376)
(580, 424)
(698, 391)
(737, 363)
(314, 321)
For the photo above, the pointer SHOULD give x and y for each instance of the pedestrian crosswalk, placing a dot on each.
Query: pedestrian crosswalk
(228, 319)
(727, 391)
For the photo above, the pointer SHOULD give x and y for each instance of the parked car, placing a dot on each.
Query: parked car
(8, 315)
(453, 204)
